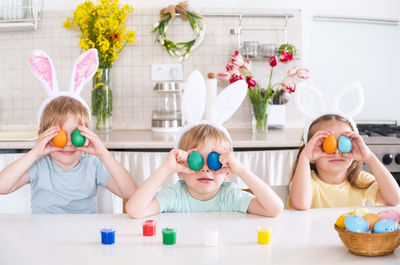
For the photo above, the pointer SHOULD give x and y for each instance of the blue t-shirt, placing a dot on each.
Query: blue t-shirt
(175, 198)
(72, 191)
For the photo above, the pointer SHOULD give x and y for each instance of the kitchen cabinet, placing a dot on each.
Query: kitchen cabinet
(272, 166)
(141, 152)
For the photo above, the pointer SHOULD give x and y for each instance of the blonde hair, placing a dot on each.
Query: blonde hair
(200, 134)
(58, 111)
(354, 169)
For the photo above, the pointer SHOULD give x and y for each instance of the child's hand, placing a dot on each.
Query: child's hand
(93, 144)
(176, 161)
(230, 163)
(313, 149)
(359, 150)
(43, 145)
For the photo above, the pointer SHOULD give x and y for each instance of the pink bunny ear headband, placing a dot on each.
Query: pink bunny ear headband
(84, 69)
(223, 107)
(311, 116)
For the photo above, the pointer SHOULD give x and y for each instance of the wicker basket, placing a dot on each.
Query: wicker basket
(367, 244)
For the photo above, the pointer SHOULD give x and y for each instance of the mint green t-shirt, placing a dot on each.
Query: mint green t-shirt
(175, 199)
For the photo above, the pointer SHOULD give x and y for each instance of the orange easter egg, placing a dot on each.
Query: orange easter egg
(60, 139)
(371, 219)
(330, 144)
(340, 221)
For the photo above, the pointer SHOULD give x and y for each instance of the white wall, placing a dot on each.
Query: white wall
(376, 8)
(389, 9)
(355, 8)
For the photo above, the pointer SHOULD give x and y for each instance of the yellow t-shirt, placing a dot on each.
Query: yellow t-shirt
(326, 195)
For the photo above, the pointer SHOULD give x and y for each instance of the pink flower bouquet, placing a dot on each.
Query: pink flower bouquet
(238, 69)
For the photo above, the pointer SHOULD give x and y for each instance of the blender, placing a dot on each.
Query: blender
(166, 114)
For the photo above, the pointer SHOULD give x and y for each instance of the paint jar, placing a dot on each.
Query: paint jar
(210, 237)
(263, 235)
(107, 236)
(169, 236)
(149, 228)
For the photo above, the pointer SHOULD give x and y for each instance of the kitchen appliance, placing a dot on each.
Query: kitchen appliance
(384, 142)
(166, 115)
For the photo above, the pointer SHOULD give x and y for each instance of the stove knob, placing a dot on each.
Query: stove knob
(387, 159)
(397, 159)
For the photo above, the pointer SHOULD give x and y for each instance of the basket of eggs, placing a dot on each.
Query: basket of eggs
(369, 234)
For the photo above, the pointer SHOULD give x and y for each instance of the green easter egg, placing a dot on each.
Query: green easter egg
(195, 161)
(77, 138)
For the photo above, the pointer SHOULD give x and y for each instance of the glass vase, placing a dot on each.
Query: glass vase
(102, 100)
(259, 117)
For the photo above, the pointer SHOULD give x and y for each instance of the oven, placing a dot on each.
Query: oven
(384, 142)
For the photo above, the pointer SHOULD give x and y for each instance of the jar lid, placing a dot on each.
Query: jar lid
(167, 86)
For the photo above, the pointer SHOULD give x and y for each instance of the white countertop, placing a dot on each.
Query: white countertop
(298, 237)
(146, 139)
(285, 138)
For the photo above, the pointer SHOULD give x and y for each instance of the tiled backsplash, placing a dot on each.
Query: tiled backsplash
(21, 93)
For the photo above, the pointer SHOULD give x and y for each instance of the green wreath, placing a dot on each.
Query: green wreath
(197, 23)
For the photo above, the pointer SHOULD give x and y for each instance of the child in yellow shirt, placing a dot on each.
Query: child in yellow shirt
(336, 180)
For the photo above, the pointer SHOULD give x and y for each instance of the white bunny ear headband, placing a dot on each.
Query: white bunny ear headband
(84, 69)
(223, 107)
(334, 109)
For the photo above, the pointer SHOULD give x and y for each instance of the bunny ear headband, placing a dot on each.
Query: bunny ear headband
(223, 107)
(334, 109)
(84, 69)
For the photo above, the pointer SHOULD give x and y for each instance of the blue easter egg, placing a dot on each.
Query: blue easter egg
(355, 223)
(195, 161)
(385, 225)
(213, 161)
(344, 144)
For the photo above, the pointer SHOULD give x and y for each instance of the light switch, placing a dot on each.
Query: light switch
(166, 72)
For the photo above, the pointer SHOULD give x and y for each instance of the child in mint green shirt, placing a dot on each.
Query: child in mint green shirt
(204, 190)
(176, 198)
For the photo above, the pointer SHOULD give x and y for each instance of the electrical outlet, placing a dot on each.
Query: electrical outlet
(166, 72)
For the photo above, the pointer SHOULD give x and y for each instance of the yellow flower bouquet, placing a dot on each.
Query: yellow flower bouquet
(102, 26)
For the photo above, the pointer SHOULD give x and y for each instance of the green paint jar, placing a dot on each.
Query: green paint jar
(169, 236)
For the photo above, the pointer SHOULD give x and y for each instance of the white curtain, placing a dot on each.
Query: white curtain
(273, 167)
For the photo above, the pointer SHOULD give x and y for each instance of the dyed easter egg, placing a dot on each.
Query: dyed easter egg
(355, 223)
(195, 161)
(344, 144)
(390, 214)
(340, 221)
(385, 225)
(371, 219)
(329, 145)
(60, 140)
(213, 161)
(77, 138)
(360, 211)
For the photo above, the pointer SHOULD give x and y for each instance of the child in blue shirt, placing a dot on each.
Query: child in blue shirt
(204, 190)
(62, 179)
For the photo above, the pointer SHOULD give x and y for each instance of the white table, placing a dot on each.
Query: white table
(297, 238)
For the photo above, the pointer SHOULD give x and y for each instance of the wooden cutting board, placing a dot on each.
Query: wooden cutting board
(18, 135)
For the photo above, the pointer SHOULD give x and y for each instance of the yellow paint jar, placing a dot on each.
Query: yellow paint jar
(263, 235)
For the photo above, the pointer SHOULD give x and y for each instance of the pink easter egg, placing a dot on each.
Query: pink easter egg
(390, 214)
